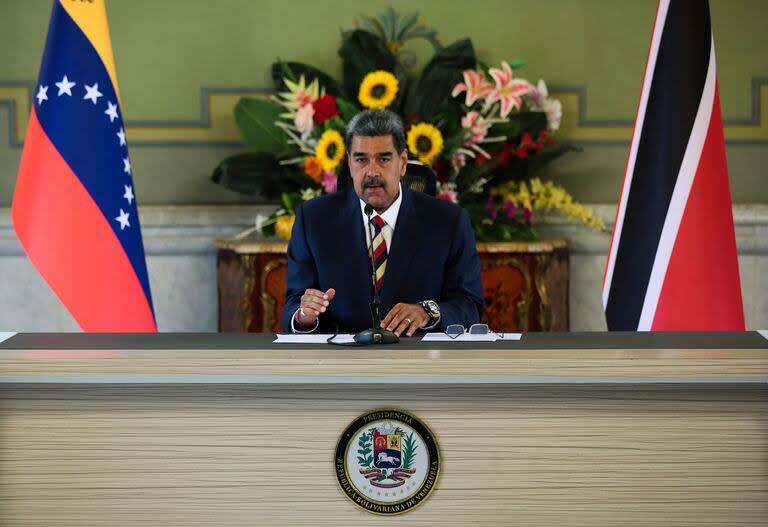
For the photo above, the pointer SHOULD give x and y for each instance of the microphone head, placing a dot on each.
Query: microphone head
(368, 210)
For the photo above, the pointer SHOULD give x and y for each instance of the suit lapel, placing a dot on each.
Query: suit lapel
(352, 249)
(401, 251)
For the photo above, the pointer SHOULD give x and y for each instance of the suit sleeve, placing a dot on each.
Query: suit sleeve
(302, 271)
(462, 298)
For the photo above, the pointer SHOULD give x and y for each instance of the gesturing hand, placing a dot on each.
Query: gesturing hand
(405, 318)
(313, 302)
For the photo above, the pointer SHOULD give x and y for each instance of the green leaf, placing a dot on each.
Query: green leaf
(520, 122)
(256, 119)
(517, 63)
(404, 24)
(362, 52)
(372, 25)
(430, 95)
(346, 109)
(296, 70)
(291, 200)
(258, 173)
(361, 460)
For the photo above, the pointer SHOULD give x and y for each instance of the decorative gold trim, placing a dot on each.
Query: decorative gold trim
(249, 247)
(543, 246)
(279, 247)
(246, 309)
(267, 302)
(546, 316)
(524, 301)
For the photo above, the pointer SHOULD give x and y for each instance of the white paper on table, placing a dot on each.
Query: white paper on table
(469, 337)
(763, 332)
(5, 335)
(311, 338)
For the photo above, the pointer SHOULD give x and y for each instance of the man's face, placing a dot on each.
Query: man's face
(376, 169)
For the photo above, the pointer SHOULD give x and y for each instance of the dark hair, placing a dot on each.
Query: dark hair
(373, 123)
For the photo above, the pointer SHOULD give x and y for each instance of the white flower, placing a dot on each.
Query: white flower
(304, 120)
(309, 193)
(536, 96)
(554, 110)
(477, 186)
(539, 101)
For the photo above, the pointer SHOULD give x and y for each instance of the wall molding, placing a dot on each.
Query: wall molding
(190, 229)
(216, 126)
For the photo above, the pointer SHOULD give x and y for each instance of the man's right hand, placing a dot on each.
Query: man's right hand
(313, 302)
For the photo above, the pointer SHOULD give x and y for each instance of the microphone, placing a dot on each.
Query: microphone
(375, 335)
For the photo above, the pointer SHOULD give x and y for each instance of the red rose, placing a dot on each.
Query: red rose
(522, 152)
(325, 108)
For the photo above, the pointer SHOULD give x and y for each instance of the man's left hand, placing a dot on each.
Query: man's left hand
(405, 318)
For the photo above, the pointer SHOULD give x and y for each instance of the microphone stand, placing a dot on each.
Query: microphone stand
(374, 335)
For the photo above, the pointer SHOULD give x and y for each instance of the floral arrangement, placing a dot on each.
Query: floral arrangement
(483, 129)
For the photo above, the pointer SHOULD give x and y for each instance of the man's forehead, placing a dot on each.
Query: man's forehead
(372, 145)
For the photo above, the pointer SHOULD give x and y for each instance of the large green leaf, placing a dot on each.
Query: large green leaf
(294, 70)
(256, 119)
(520, 122)
(258, 173)
(362, 52)
(430, 95)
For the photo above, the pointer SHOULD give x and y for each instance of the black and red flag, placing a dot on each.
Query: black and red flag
(672, 262)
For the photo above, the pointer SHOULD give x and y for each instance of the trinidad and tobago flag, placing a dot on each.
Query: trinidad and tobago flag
(672, 262)
(74, 209)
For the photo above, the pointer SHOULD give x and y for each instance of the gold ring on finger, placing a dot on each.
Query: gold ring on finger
(409, 320)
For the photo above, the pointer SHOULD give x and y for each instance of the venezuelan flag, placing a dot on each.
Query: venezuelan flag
(74, 209)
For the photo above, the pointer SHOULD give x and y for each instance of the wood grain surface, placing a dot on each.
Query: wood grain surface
(237, 455)
(384, 365)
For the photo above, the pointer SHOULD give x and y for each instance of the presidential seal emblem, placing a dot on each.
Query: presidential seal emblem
(387, 461)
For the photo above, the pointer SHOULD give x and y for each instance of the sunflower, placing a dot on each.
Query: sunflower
(330, 149)
(378, 89)
(425, 142)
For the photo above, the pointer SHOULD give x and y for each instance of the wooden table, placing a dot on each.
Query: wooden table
(525, 285)
(233, 430)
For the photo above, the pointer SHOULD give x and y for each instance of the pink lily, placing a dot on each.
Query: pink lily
(507, 90)
(474, 84)
(477, 127)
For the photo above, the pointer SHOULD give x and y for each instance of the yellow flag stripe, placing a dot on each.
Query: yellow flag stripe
(91, 17)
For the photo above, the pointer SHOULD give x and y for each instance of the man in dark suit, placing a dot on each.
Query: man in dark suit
(427, 267)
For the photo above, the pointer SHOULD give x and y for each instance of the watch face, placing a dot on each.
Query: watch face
(431, 307)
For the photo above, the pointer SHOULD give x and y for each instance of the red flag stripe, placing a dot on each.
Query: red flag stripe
(677, 205)
(101, 291)
(702, 266)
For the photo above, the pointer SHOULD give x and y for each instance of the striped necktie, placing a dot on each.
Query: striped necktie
(379, 250)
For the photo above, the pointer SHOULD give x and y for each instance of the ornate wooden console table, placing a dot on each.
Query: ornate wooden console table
(525, 285)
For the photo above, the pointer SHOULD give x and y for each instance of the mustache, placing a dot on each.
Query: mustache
(373, 182)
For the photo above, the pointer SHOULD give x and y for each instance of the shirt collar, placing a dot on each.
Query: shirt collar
(389, 215)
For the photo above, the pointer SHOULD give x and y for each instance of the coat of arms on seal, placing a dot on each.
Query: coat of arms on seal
(387, 461)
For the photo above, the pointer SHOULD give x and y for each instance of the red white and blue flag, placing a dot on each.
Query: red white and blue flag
(672, 263)
(74, 209)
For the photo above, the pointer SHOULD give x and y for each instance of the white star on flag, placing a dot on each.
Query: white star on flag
(111, 111)
(42, 94)
(92, 92)
(123, 219)
(121, 135)
(126, 165)
(65, 86)
(128, 194)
